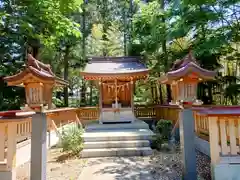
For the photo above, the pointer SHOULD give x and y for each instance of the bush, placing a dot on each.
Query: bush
(163, 133)
(157, 142)
(72, 141)
(57, 102)
(164, 128)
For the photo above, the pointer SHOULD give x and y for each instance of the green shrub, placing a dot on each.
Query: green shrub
(163, 133)
(164, 128)
(157, 142)
(57, 102)
(72, 141)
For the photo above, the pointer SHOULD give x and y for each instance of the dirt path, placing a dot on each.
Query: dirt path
(59, 167)
(159, 166)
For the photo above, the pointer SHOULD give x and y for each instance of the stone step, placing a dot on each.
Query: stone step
(116, 144)
(108, 152)
(135, 125)
(124, 135)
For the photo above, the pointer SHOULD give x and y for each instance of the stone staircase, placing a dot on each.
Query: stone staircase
(105, 140)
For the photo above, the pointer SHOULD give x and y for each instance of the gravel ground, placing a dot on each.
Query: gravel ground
(203, 166)
(164, 165)
(167, 165)
(59, 167)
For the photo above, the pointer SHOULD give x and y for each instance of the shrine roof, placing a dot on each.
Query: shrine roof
(37, 69)
(114, 65)
(187, 66)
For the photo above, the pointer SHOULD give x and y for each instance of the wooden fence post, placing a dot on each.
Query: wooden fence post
(8, 167)
(213, 140)
(11, 145)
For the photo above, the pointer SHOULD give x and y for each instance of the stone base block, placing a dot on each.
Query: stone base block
(8, 175)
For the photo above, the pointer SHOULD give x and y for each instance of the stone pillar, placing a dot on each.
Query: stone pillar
(39, 147)
(187, 139)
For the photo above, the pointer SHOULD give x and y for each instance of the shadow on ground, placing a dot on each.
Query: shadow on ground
(122, 168)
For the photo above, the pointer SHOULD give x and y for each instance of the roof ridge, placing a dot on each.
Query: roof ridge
(115, 59)
(36, 64)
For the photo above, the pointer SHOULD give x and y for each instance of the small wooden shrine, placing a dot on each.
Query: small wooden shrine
(184, 77)
(38, 80)
(115, 78)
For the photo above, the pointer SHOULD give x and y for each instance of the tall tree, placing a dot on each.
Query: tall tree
(83, 87)
(21, 27)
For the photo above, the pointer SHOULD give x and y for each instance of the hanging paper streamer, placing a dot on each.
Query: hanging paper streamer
(119, 87)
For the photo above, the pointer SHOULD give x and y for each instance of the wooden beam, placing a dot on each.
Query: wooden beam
(100, 99)
(100, 94)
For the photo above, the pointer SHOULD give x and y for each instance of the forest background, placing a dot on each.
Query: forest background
(63, 33)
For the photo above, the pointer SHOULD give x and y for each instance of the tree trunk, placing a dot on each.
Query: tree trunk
(66, 66)
(165, 59)
(91, 93)
(160, 94)
(152, 92)
(84, 31)
(210, 95)
(35, 52)
(125, 31)
(83, 93)
(83, 86)
(105, 25)
(130, 22)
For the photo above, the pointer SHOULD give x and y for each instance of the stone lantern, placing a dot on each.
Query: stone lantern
(184, 77)
(38, 80)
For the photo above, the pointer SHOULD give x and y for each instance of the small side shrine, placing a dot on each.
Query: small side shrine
(115, 78)
(184, 77)
(38, 80)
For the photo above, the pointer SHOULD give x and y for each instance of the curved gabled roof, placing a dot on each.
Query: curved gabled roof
(185, 67)
(114, 66)
(35, 69)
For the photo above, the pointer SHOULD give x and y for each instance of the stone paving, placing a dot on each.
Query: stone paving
(117, 168)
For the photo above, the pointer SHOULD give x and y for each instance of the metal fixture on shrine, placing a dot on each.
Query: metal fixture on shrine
(38, 80)
(184, 77)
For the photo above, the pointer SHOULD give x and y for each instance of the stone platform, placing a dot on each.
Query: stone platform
(105, 140)
(137, 124)
(124, 115)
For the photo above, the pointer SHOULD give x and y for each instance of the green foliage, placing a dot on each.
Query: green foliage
(113, 44)
(157, 142)
(160, 31)
(164, 128)
(72, 141)
(165, 31)
(39, 24)
(147, 27)
(57, 102)
(163, 133)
